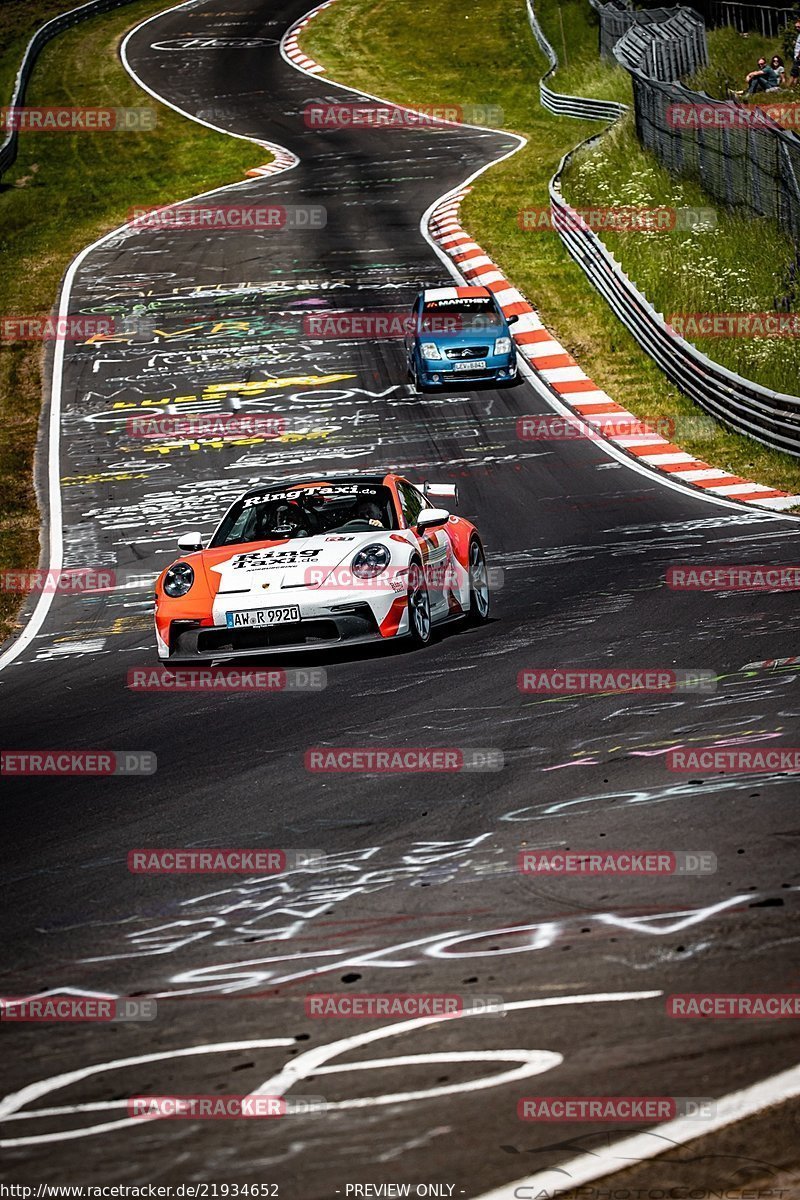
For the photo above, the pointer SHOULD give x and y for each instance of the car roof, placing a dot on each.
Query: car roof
(298, 480)
(455, 293)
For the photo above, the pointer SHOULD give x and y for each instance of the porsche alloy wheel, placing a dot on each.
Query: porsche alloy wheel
(419, 607)
(478, 584)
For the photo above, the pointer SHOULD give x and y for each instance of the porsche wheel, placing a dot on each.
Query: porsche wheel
(478, 584)
(420, 625)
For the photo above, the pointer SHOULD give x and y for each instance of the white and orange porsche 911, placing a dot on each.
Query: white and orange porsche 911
(313, 564)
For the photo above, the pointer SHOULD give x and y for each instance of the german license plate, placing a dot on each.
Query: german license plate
(261, 617)
(478, 364)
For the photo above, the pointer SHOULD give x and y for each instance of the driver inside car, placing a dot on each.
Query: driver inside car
(284, 521)
(370, 512)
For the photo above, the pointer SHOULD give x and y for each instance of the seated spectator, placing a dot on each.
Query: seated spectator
(763, 79)
(776, 62)
(795, 71)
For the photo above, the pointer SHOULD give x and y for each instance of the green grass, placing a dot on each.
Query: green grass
(572, 29)
(732, 57)
(490, 57)
(739, 266)
(64, 191)
(20, 20)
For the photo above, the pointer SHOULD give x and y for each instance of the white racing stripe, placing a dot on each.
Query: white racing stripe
(311, 1063)
(54, 530)
(603, 1161)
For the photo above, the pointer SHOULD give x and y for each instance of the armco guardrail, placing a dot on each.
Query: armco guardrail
(769, 417)
(568, 106)
(8, 150)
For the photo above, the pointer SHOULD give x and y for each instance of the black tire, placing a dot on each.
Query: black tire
(420, 625)
(416, 383)
(479, 597)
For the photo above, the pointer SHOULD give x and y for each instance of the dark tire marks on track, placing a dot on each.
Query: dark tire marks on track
(424, 866)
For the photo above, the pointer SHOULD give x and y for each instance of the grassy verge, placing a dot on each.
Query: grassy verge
(490, 57)
(64, 191)
(572, 29)
(732, 56)
(742, 265)
(21, 19)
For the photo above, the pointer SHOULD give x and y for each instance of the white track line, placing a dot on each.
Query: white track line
(626, 1153)
(54, 531)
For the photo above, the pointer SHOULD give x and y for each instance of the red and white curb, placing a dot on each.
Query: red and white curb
(284, 160)
(549, 358)
(291, 43)
(555, 365)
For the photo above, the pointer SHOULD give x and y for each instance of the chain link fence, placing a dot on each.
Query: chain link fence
(667, 49)
(747, 18)
(738, 153)
(44, 34)
(768, 417)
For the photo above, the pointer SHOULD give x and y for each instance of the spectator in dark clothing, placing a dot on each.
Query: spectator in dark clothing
(795, 71)
(763, 79)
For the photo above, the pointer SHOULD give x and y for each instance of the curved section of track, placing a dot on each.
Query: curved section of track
(420, 891)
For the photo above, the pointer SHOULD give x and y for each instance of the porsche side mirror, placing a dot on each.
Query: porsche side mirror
(190, 541)
(431, 518)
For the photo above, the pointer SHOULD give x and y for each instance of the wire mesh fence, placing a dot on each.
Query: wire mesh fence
(738, 153)
(747, 18)
(668, 48)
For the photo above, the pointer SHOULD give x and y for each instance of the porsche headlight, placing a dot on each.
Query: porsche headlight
(503, 345)
(370, 561)
(430, 350)
(178, 579)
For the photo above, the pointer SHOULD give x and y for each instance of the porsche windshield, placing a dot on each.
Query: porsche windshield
(304, 511)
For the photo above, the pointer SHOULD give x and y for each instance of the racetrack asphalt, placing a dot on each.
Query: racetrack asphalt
(420, 891)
